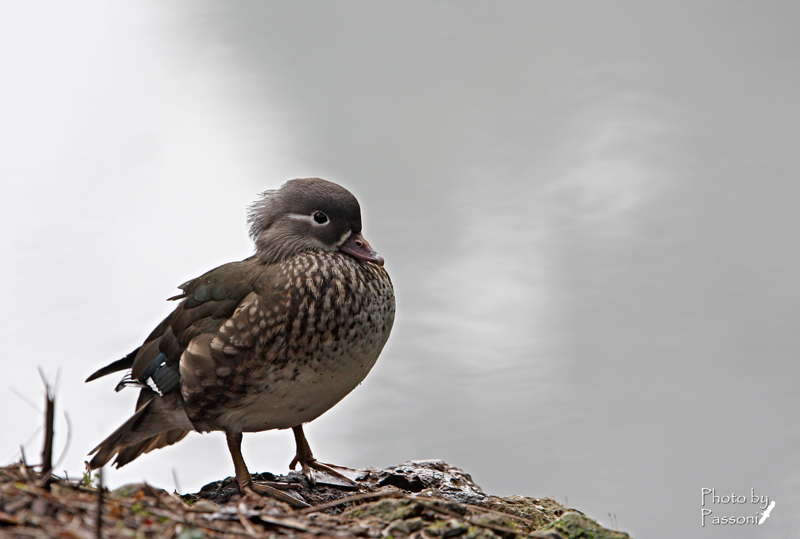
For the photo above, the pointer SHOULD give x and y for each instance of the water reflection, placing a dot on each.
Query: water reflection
(590, 220)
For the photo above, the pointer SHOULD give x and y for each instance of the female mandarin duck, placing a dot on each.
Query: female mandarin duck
(270, 342)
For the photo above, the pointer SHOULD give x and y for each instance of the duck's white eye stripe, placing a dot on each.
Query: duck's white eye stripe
(343, 238)
(317, 218)
(300, 217)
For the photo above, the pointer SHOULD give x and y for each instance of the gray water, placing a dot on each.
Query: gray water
(589, 211)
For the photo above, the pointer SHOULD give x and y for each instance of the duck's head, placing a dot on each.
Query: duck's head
(309, 214)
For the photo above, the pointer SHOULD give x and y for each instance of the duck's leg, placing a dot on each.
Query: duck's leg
(246, 485)
(308, 463)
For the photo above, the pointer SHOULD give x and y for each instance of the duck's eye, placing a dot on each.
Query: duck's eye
(320, 218)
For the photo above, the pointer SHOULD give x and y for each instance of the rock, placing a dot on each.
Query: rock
(426, 499)
(437, 498)
(576, 525)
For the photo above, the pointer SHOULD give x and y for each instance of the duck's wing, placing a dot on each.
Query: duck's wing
(206, 303)
(160, 419)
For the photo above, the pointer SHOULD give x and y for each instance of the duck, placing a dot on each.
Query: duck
(269, 342)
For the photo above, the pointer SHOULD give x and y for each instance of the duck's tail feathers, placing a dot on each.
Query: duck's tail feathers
(151, 427)
(119, 365)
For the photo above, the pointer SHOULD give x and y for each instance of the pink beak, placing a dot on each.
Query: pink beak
(358, 247)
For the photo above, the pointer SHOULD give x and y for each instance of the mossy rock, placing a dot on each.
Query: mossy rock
(387, 510)
(575, 525)
(542, 511)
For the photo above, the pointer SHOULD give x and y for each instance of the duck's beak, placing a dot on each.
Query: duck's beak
(358, 247)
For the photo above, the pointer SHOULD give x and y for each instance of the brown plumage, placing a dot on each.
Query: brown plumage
(270, 342)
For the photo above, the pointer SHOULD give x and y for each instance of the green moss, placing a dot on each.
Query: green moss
(542, 511)
(389, 510)
(436, 527)
(578, 526)
(140, 509)
(495, 520)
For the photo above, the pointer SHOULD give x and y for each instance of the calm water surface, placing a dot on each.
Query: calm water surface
(590, 216)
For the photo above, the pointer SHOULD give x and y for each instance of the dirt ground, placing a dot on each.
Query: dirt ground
(418, 499)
